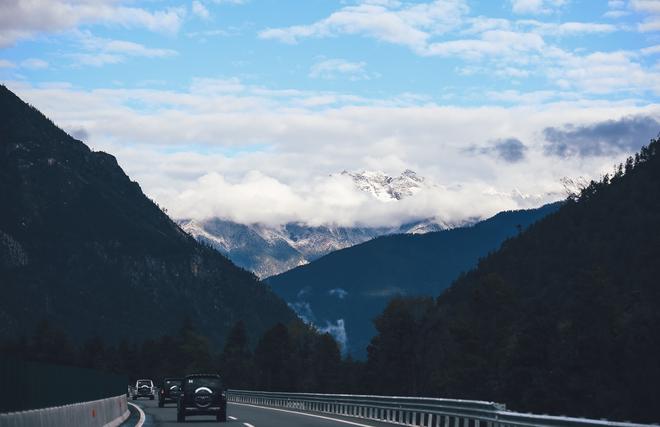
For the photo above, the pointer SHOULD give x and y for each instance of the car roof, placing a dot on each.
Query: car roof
(203, 376)
(173, 379)
(145, 379)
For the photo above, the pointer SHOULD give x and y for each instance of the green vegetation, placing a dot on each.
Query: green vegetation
(81, 245)
(371, 273)
(286, 358)
(563, 319)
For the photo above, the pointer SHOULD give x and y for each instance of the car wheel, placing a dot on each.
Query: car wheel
(180, 417)
(151, 398)
(134, 397)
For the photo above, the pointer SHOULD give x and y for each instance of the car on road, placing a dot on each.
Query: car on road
(202, 394)
(144, 388)
(169, 391)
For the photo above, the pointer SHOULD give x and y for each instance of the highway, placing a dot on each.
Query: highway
(239, 415)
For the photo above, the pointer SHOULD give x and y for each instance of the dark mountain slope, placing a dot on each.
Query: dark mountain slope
(82, 245)
(563, 319)
(354, 284)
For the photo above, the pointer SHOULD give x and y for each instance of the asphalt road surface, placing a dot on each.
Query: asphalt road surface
(239, 415)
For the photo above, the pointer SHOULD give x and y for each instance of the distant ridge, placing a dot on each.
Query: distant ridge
(268, 250)
(354, 284)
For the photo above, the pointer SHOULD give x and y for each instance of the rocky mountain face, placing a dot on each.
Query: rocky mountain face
(83, 247)
(385, 187)
(270, 250)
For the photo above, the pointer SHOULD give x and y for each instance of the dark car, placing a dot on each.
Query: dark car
(202, 394)
(169, 391)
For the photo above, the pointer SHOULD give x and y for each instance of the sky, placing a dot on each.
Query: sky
(249, 110)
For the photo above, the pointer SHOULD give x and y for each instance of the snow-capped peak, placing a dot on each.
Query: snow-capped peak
(385, 187)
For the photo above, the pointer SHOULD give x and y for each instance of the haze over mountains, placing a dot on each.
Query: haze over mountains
(343, 291)
(82, 246)
(268, 250)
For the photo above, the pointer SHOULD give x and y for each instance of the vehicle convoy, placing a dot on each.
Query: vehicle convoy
(169, 391)
(202, 394)
(144, 388)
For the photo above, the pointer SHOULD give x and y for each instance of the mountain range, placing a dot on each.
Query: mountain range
(82, 246)
(343, 291)
(269, 250)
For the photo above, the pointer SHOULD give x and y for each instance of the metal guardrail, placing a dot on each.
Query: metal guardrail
(414, 411)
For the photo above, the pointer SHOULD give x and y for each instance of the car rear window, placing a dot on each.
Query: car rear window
(213, 383)
(172, 382)
(141, 383)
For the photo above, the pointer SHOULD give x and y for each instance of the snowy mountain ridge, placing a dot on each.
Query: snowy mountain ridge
(269, 250)
(387, 188)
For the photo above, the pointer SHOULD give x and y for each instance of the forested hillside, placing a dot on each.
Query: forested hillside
(82, 246)
(355, 284)
(562, 319)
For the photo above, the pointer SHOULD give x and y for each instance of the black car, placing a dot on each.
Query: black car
(202, 394)
(169, 391)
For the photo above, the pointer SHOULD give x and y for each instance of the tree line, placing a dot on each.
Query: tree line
(562, 319)
(292, 357)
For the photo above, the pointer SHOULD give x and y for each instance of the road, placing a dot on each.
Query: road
(239, 415)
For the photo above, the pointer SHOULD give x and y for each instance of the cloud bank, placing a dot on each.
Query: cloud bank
(224, 148)
(20, 19)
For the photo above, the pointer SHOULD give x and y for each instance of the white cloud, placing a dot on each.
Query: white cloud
(250, 154)
(498, 43)
(536, 7)
(443, 29)
(34, 64)
(409, 25)
(651, 50)
(603, 73)
(616, 9)
(6, 64)
(648, 6)
(339, 68)
(567, 28)
(338, 332)
(98, 51)
(200, 10)
(25, 18)
(650, 24)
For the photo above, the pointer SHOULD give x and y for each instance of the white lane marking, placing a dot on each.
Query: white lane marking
(248, 425)
(142, 416)
(232, 418)
(307, 415)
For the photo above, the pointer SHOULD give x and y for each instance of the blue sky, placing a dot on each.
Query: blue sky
(208, 102)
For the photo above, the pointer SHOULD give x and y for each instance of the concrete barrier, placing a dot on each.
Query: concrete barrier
(98, 413)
